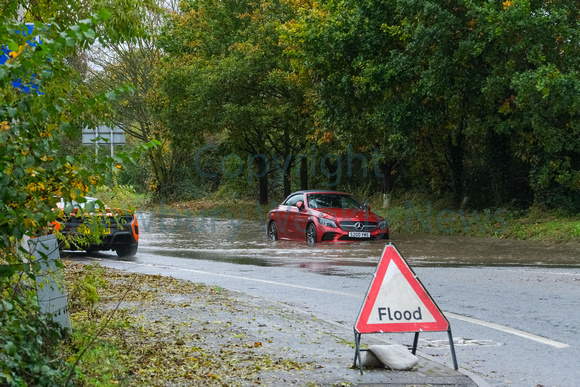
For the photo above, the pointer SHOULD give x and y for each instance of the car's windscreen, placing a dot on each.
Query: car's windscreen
(333, 201)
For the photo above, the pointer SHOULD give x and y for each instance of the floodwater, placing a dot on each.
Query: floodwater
(244, 242)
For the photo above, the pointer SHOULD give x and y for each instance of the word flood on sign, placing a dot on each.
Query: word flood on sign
(400, 315)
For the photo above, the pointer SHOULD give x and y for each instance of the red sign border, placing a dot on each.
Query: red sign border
(391, 253)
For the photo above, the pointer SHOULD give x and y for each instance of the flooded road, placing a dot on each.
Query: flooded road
(512, 305)
(245, 243)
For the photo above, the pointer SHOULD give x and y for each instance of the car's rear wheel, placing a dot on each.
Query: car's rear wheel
(126, 251)
(311, 233)
(272, 231)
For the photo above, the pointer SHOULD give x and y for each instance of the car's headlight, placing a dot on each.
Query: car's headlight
(327, 222)
(382, 224)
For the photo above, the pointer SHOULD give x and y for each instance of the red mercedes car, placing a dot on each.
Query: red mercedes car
(324, 216)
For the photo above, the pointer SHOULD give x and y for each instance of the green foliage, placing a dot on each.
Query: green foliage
(460, 98)
(470, 98)
(102, 361)
(54, 104)
(134, 62)
(103, 364)
(29, 342)
(32, 173)
(120, 20)
(84, 293)
(240, 83)
(124, 197)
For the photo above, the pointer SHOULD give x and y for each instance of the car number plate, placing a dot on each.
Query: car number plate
(106, 232)
(355, 234)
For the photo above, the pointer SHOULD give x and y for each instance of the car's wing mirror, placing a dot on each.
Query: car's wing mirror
(300, 205)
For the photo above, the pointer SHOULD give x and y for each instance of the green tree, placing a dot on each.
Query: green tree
(472, 98)
(228, 73)
(133, 63)
(353, 54)
(533, 53)
(51, 102)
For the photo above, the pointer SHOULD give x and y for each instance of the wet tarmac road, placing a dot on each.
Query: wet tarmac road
(512, 305)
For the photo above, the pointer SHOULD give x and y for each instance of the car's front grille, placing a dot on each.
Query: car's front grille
(350, 225)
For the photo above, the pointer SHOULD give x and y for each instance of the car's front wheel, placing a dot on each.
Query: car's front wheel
(311, 233)
(126, 251)
(272, 231)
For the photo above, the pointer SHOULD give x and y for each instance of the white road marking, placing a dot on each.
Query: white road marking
(513, 331)
(517, 332)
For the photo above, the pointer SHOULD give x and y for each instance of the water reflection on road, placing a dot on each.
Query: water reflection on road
(245, 243)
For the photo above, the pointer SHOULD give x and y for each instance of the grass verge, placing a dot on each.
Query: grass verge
(163, 331)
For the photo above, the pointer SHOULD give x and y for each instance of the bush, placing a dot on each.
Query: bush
(29, 342)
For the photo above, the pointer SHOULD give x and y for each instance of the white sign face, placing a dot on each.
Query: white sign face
(396, 301)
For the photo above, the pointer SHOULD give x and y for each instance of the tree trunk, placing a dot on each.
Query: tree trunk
(387, 179)
(333, 179)
(287, 156)
(287, 183)
(456, 156)
(262, 181)
(158, 165)
(498, 165)
(303, 173)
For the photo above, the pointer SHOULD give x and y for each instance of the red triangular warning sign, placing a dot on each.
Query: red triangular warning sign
(397, 301)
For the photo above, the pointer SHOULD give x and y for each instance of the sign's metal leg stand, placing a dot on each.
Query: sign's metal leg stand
(357, 355)
(452, 348)
(415, 341)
